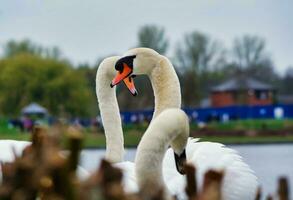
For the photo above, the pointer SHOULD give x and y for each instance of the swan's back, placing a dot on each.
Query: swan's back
(8, 146)
(7, 150)
(129, 178)
(239, 181)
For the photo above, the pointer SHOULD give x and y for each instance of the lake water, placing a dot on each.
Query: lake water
(268, 161)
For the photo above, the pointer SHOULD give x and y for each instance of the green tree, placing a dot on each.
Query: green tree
(154, 37)
(13, 48)
(26, 46)
(89, 73)
(27, 78)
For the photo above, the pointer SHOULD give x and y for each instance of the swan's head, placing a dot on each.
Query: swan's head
(134, 62)
(180, 160)
(179, 143)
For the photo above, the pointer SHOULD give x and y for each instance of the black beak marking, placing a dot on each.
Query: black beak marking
(180, 161)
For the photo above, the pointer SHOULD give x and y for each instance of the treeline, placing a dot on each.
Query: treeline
(32, 73)
(203, 62)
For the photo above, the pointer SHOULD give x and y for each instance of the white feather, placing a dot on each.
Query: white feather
(9, 147)
(239, 183)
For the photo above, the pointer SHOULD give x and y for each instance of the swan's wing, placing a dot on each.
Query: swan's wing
(8, 146)
(7, 149)
(82, 173)
(129, 178)
(240, 182)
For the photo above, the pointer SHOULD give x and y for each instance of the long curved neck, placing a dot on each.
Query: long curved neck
(166, 86)
(109, 111)
(169, 128)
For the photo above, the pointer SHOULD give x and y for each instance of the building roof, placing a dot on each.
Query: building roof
(34, 108)
(241, 84)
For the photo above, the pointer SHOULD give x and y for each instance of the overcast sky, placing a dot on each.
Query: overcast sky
(89, 29)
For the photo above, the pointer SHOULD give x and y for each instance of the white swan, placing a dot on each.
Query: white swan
(111, 120)
(239, 182)
(109, 110)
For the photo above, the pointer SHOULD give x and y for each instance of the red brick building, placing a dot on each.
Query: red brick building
(242, 91)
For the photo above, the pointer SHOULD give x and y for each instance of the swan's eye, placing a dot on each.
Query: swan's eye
(119, 67)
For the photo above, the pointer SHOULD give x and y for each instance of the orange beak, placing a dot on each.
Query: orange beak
(121, 75)
(130, 85)
(128, 80)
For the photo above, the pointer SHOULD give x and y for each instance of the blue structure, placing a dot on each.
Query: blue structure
(220, 114)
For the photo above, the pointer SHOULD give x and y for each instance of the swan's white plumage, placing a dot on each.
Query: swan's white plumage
(129, 178)
(9, 147)
(239, 182)
(7, 150)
